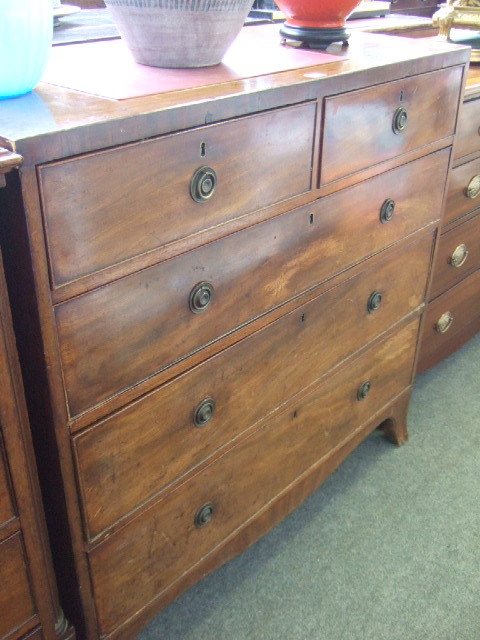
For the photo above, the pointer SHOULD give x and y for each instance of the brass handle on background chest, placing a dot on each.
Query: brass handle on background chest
(204, 515)
(374, 301)
(444, 322)
(473, 187)
(400, 118)
(459, 256)
(203, 184)
(204, 412)
(387, 210)
(201, 297)
(364, 390)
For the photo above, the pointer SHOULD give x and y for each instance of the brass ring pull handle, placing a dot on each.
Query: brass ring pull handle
(473, 187)
(374, 301)
(9, 160)
(201, 297)
(363, 390)
(387, 210)
(400, 118)
(459, 256)
(444, 322)
(203, 183)
(204, 412)
(204, 515)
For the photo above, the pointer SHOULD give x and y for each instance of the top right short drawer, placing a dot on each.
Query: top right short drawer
(369, 126)
(468, 133)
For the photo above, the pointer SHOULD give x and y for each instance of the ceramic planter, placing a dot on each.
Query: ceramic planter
(179, 33)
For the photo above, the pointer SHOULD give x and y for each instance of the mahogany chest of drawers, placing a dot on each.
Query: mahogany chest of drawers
(217, 294)
(453, 315)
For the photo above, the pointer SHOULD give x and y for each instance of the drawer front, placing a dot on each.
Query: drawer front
(359, 127)
(451, 320)
(122, 333)
(105, 208)
(458, 255)
(160, 430)
(468, 134)
(463, 193)
(16, 603)
(164, 542)
(6, 507)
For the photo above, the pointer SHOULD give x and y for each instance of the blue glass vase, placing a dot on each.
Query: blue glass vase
(26, 29)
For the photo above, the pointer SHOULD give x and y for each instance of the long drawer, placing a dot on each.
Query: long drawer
(120, 334)
(463, 193)
(458, 255)
(143, 192)
(176, 427)
(169, 539)
(451, 320)
(16, 602)
(372, 125)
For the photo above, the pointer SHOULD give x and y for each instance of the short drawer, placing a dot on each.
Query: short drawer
(468, 131)
(458, 255)
(178, 426)
(16, 602)
(120, 334)
(6, 506)
(463, 194)
(360, 127)
(105, 208)
(451, 320)
(167, 540)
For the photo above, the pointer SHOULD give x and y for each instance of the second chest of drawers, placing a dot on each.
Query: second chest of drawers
(453, 315)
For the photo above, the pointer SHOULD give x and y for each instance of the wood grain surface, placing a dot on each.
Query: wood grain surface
(159, 429)
(120, 334)
(164, 543)
(359, 132)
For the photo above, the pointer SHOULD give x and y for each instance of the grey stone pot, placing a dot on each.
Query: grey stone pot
(179, 33)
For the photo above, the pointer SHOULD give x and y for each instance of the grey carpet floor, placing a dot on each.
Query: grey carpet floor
(387, 549)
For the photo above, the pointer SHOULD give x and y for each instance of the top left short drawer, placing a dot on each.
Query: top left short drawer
(107, 207)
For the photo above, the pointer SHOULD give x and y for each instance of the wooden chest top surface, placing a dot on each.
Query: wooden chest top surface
(53, 122)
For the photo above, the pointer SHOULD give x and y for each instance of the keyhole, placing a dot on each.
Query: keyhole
(311, 218)
(303, 317)
(401, 96)
(203, 149)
